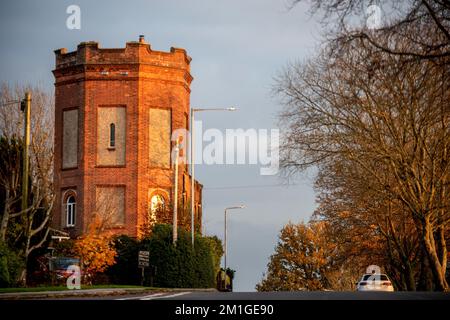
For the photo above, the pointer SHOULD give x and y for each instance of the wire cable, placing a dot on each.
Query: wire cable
(9, 103)
(250, 186)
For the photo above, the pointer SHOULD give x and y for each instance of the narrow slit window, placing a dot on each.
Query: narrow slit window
(112, 135)
(70, 211)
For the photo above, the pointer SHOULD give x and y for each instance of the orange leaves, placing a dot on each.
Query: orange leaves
(96, 253)
(95, 250)
(301, 260)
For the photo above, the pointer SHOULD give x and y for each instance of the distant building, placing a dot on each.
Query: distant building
(115, 110)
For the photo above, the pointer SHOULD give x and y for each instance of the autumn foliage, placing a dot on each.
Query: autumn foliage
(302, 260)
(375, 127)
(96, 251)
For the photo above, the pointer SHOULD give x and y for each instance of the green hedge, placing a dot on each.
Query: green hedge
(178, 266)
(125, 270)
(11, 265)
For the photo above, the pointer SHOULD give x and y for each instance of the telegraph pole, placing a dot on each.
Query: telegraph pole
(26, 106)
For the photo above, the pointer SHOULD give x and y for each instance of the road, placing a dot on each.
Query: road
(193, 304)
(258, 296)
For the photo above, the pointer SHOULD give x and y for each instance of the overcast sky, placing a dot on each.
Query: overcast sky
(237, 47)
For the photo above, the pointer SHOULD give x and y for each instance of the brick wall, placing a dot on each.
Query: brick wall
(134, 78)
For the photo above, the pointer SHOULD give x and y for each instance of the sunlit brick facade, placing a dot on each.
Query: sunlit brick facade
(115, 110)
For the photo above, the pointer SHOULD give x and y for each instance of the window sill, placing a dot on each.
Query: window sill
(68, 168)
(159, 168)
(110, 166)
(111, 148)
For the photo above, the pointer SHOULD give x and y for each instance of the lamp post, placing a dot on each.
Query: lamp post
(175, 195)
(225, 234)
(193, 110)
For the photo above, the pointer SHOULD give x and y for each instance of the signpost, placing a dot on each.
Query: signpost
(143, 262)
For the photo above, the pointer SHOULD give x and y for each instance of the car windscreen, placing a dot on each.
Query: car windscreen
(64, 263)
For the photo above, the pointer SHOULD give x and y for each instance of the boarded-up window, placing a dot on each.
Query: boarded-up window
(70, 139)
(159, 141)
(110, 205)
(111, 154)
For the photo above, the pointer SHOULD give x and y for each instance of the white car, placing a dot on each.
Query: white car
(374, 282)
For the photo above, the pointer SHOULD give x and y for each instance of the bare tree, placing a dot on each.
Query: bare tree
(367, 221)
(382, 114)
(32, 224)
(10, 179)
(424, 24)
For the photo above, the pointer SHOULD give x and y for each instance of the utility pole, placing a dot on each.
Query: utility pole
(26, 108)
(175, 195)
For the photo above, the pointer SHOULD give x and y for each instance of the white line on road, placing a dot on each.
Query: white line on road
(143, 297)
(165, 297)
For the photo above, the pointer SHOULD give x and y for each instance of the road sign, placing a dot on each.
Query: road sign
(143, 259)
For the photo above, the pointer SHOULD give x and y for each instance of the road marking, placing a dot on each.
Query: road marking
(142, 297)
(165, 297)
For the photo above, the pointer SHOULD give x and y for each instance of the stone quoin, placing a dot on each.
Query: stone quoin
(115, 110)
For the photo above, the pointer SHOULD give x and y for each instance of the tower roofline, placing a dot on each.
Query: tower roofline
(137, 52)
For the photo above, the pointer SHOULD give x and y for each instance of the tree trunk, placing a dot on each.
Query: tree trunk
(23, 277)
(409, 277)
(425, 281)
(435, 265)
(5, 217)
(442, 248)
(4, 225)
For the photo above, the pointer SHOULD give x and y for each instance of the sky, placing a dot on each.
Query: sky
(237, 48)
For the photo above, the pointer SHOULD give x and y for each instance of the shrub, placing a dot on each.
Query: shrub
(217, 251)
(180, 266)
(10, 266)
(125, 270)
(96, 253)
(176, 266)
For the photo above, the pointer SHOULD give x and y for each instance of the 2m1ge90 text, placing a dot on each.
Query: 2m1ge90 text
(225, 309)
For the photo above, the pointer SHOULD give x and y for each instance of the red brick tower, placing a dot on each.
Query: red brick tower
(115, 110)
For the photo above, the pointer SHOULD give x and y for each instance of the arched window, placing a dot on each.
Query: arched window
(112, 135)
(70, 211)
(157, 207)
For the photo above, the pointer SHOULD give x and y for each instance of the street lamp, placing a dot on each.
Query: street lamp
(225, 233)
(193, 110)
(175, 197)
